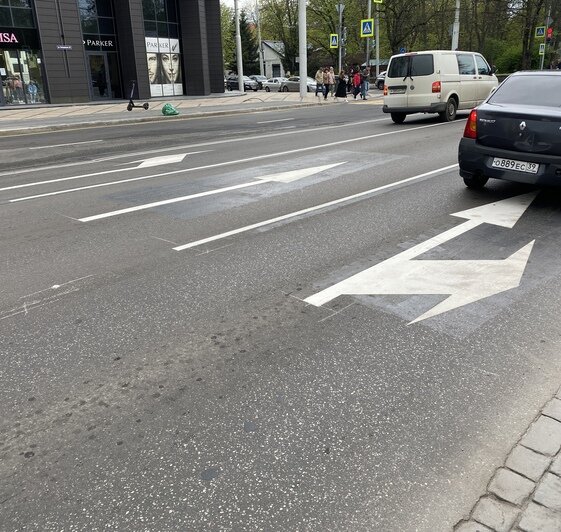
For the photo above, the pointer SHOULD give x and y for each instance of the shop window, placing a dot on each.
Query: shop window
(106, 26)
(104, 8)
(171, 11)
(88, 5)
(20, 3)
(23, 18)
(173, 31)
(148, 10)
(5, 17)
(4, 3)
(162, 29)
(89, 22)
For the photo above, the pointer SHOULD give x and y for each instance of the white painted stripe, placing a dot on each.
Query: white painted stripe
(190, 146)
(68, 144)
(284, 177)
(312, 209)
(169, 201)
(273, 121)
(93, 174)
(228, 163)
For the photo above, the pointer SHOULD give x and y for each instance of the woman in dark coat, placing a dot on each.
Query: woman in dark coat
(341, 91)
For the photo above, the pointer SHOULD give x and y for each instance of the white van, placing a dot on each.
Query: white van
(436, 81)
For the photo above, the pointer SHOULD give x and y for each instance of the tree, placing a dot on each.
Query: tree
(228, 35)
(250, 48)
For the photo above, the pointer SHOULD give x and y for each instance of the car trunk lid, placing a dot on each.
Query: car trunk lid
(529, 129)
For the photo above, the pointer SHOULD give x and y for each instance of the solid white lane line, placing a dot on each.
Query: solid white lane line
(283, 177)
(68, 144)
(189, 147)
(93, 174)
(238, 161)
(168, 201)
(278, 120)
(311, 209)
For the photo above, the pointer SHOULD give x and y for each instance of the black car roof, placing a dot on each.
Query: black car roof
(537, 73)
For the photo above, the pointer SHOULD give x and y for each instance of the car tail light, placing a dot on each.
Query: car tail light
(436, 86)
(470, 130)
(385, 90)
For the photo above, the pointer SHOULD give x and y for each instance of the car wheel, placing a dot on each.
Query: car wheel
(398, 118)
(450, 114)
(285, 89)
(475, 181)
(380, 85)
(267, 89)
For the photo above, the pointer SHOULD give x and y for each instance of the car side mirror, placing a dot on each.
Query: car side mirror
(494, 69)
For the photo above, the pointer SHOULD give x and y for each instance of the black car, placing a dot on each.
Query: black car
(248, 84)
(515, 134)
(260, 79)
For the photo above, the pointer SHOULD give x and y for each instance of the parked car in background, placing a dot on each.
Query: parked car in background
(515, 134)
(293, 84)
(380, 80)
(259, 79)
(248, 83)
(436, 81)
(273, 84)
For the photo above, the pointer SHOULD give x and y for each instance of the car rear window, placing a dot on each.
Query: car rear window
(529, 90)
(411, 65)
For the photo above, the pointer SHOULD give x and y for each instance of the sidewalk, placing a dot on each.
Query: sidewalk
(21, 119)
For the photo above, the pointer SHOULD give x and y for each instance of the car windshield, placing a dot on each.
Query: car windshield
(544, 90)
(411, 65)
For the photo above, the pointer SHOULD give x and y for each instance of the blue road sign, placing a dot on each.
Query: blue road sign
(402, 50)
(334, 40)
(367, 27)
(540, 31)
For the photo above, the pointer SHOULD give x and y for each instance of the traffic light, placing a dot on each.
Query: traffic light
(549, 35)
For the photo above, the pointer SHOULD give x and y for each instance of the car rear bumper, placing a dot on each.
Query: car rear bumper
(476, 159)
(439, 107)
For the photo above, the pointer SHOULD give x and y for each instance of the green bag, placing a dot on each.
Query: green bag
(169, 110)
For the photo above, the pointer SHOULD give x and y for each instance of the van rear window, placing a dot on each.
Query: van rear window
(411, 65)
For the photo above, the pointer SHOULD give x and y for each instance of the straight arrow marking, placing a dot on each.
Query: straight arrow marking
(464, 281)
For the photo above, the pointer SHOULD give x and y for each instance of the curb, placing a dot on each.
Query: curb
(524, 494)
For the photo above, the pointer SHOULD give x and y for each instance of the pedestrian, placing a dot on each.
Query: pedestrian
(341, 91)
(332, 81)
(325, 83)
(350, 80)
(364, 85)
(357, 80)
(18, 88)
(319, 80)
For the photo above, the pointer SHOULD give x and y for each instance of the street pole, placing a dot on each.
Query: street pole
(368, 38)
(548, 22)
(340, 9)
(377, 37)
(456, 27)
(302, 49)
(258, 20)
(239, 58)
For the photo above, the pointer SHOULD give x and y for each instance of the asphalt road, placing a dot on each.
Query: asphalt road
(162, 369)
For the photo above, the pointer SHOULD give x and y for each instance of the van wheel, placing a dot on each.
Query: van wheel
(476, 181)
(450, 114)
(398, 118)
(285, 89)
(267, 89)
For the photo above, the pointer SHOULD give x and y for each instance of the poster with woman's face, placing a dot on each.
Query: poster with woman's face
(164, 66)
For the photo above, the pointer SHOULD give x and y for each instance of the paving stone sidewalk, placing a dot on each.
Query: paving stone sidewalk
(525, 493)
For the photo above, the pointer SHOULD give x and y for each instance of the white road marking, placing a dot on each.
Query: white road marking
(68, 144)
(105, 172)
(238, 161)
(163, 159)
(190, 147)
(284, 177)
(464, 281)
(311, 209)
(273, 121)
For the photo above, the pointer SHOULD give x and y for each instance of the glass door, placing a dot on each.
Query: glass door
(100, 81)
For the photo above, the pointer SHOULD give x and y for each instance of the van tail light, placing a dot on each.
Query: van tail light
(470, 130)
(385, 90)
(436, 86)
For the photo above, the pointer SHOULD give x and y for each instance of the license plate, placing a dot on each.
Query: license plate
(397, 91)
(518, 166)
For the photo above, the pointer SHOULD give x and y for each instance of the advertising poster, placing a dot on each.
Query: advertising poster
(164, 66)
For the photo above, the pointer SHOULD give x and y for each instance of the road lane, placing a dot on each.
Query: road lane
(199, 390)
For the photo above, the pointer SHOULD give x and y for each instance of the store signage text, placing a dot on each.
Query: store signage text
(104, 44)
(8, 37)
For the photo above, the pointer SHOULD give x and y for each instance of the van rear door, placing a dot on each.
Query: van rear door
(409, 80)
(396, 78)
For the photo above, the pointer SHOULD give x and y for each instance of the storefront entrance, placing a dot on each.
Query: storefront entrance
(22, 77)
(105, 83)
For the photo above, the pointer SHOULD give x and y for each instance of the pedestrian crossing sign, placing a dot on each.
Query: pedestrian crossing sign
(367, 27)
(540, 31)
(334, 40)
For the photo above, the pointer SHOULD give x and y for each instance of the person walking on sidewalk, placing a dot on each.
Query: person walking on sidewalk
(332, 81)
(319, 80)
(365, 85)
(326, 78)
(357, 80)
(341, 91)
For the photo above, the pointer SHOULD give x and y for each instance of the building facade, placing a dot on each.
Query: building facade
(71, 51)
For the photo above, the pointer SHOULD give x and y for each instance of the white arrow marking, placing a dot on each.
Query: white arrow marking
(284, 177)
(465, 281)
(163, 159)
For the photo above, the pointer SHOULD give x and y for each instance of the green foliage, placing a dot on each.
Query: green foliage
(250, 48)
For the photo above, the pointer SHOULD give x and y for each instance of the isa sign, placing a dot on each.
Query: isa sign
(367, 27)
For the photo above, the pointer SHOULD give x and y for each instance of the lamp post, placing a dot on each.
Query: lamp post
(258, 21)
(302, 49)
(456, 27)
(340, 9)
(239, 58)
